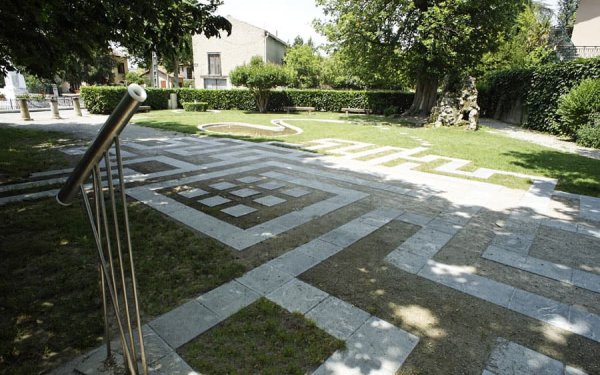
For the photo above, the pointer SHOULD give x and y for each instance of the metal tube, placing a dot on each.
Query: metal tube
(111, 292)
(113, 126)
(111, 192)
(129, 250)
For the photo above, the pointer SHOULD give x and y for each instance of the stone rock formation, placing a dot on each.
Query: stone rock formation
(458, 108)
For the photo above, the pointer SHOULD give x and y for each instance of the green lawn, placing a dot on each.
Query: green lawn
(576, 174)
(50, 305)
(261, 338)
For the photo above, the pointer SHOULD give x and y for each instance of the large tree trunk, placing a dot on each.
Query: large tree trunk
(425, 97)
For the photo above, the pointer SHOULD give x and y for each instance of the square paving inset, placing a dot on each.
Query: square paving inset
(249, 179)
(214, 201)
(272, 185)
(243, 193)
(192, 193)
(269, 201)
(223, 186)
(296, 192)
(239, 210)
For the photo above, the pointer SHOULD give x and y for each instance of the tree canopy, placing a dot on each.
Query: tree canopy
(41, 35)
(260, 77)
(428, 39)
(305, 64)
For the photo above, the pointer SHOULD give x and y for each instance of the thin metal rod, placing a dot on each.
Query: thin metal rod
(113, 126)
(111, 292)
(129, 250)
(111, 192)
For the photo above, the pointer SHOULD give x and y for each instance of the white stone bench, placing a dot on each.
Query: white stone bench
(356, 110)
(144, 108)
(298, 109)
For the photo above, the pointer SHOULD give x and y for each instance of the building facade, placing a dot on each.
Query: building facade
(215, 58)
(586, 33)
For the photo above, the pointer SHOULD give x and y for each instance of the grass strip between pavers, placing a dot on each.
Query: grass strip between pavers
(262, 338)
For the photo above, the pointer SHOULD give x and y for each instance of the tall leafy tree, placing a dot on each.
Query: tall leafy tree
(428, 39)
(305, 64)
(567, 10)
(41, 35)
(260, 77)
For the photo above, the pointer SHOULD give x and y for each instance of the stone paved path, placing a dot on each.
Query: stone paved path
(529, 258)
(542, 139)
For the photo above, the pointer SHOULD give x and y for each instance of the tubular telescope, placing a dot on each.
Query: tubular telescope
(113, 126)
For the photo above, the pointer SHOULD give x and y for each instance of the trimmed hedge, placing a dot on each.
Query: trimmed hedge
(195, 106)
(540, 90)
(103, 99)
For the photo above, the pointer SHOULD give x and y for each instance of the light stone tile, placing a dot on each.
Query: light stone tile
(548, 269)
(297, 296)
(93, 362)
(223, 186)
(348, 233)
(509, 358)
(238, 210)
(243, 193)
(540, 308)
(294, 262)
(588, 230)
(407, 261)
(487, 289)
(584, 323)
(272, 185)
(512, 242)
(228, 299)
(249, 179)
(172, 364)
(192, 193)
(338, 318)
(502, 256)
(444, 226)
(265, 279)
(377, 347)
(574, 371)
(416, 219)
(270, 201)
(560, 224)
(154, 346)
(586, 280)
(380, 217)
(182, 324)
(296, 192)
(319, 250)
(214, 201)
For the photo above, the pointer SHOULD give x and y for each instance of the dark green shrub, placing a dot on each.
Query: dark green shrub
(390, 111)
(101, 99)
(577, 108)
(195, 106)
(549, 83)
(500, 90)
(589, 135)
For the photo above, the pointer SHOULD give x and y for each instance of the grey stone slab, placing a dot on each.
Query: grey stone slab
(512, 242)
(228, 299)
(348, 233)
(584, 323)
(338, 318)
(243, 193)
(377, 347)
(297, 296)
(172, 364)
(214, 201)
(406, 261)
(486, 372)
(509, 358)
(560, 224)
(249, 179)
(270, 201)
(272, 185)
(380, 217)
(589, 208)
(238, 210)
(265, 279)
(487, 289)
(548, 269)
(296, 192)
(294, 262)
(443, 274)
(192, 193)
(426, 242)
(94, 362)
(319, 250)
(541, 308)
(223, 186)
(503, 256)
(154, 346)
(588, 230)
(182, 324)
(444, 226)
(416, 219)
(586, 280)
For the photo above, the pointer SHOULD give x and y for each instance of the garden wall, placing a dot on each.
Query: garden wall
(103, 99)
(530, 96)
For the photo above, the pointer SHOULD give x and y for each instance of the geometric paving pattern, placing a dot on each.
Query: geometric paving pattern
(209, 183)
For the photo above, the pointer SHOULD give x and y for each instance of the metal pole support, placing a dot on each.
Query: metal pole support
(54, 105)
(24, 110)
(77, 106)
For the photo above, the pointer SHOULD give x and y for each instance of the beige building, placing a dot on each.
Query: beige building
(215, 58)
(121, 65)
(586, 33)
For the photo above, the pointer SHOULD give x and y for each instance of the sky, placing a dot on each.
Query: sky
(286, 18)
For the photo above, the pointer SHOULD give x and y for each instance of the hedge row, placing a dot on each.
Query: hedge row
(539, 88)
(101, 99)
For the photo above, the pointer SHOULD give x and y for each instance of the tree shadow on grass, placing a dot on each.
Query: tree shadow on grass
(575, 174)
